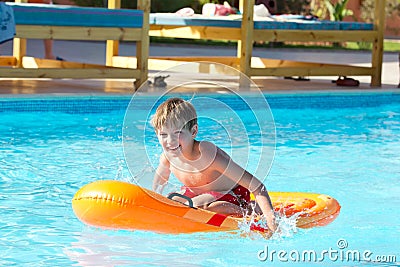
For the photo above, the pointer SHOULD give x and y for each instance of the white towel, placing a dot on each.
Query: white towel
(7, 23)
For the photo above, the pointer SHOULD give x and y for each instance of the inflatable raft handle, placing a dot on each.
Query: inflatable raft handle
(189, 200)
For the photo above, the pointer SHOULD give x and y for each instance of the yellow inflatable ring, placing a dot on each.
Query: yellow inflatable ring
(120, 205)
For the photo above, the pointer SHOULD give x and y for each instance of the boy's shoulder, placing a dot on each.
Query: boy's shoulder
(163, 159)
(207, 147)
(210, 149)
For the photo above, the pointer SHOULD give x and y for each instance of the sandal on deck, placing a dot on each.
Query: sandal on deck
(344, 81)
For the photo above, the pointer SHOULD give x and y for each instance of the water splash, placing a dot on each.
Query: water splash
(120, 171)
(142, 175)
(287, 226)
(256, 227)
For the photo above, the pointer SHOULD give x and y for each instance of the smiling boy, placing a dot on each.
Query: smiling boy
(210, 177)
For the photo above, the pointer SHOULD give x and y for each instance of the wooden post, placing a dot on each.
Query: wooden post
(112, 46)
(19, 44)
(19, 50)
(245, 44)
(142, 46)
(377, 49)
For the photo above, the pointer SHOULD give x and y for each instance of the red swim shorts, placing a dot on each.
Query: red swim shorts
(239, 195)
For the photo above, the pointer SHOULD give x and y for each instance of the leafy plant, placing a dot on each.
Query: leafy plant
(364, 45)
(367, 9)
(338, 11)
(293, 6)
(318, 8)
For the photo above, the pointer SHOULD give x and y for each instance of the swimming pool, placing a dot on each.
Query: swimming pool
(343, 145)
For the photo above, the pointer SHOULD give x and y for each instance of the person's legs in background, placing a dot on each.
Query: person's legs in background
(48, 49)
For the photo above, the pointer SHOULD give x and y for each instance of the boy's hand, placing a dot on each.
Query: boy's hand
(158, 188)
(271, 221)
(272, 225)
(265, 204)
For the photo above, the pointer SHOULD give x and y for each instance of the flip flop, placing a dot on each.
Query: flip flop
(344, 81)
(299, 78)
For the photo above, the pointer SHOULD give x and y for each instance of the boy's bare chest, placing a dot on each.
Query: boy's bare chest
(194, 175)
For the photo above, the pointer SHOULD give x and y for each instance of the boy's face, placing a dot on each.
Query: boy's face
(174, 139)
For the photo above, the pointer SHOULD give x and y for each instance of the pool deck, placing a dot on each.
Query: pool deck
(94, 53)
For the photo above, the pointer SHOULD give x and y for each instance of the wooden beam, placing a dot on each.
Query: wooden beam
(142, 46)
(230, 61)
(215, 65)
(8, 61)
(78, 33)
(314, 36)
(73, 73)
(259, 66)
(162, 63)
(19, 50)
(112, 46)
(234, 34)
(195, 32)
(258, 62)
(245, 44)
(112, 49)
(31, 62)
(377, 49)
(316, 70)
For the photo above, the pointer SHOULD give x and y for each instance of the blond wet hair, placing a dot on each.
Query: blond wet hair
(175, 112)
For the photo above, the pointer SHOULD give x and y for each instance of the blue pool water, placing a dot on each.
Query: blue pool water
(346, 146)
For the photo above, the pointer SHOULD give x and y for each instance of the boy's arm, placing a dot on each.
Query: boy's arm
(264, 201)
(231, 169)
(162, 175)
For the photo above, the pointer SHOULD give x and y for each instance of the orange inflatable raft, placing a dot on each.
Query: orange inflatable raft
(121, 205)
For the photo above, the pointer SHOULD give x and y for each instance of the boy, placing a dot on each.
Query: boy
(211, 178)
